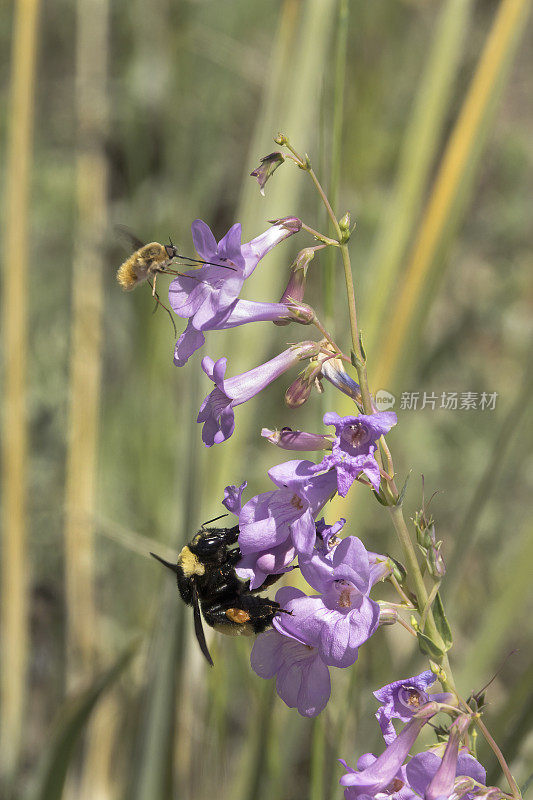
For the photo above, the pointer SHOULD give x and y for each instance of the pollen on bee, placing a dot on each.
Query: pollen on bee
(237, 615)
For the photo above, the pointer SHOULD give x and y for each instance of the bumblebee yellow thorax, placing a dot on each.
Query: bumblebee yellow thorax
(190, 564)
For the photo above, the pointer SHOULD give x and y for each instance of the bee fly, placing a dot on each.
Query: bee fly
(207, 581)
(150, 260)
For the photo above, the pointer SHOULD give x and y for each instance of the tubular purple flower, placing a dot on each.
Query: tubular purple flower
(401, 700)
(441, 785)
(288, 439)
(380, 773)
(355, 445)
(271, 518)
(344, 617)
(207, 296)
(216, 411)
(423, 768)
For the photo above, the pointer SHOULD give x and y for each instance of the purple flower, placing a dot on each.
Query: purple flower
(288, 439)
(216, 411)
(397, 789)
(431, 776)
(354, 446)
(285, 516)
(208, 297)
(256, 567)
(342, 617)
(377, 776)
(401, 700)
(302, 679)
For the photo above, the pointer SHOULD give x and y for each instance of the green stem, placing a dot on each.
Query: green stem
(515, 791)
(413, 567)
(336, 150)
(319, 236)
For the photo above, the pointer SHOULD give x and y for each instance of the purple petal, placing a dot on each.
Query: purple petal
(245, 386)
(188, 343)
(233, 498)
(351, 563)
(204, 242)
(265, 657)
(229, 247)
(467, 765)
(303, 533)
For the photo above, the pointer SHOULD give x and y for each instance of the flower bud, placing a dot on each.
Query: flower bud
(288, 439)
(297, 279)
(333, 370)
(281, 139)
(345, 225)
(268, 165)
(298, 393)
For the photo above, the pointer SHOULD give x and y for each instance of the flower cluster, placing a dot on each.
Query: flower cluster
(323, 621)
(445, 771)
(279, 529)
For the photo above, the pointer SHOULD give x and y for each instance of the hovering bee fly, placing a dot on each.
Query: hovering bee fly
(207, 581)
(150, 260)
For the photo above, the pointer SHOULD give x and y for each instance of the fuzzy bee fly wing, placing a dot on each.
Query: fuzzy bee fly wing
(129, 238)
(198, 627)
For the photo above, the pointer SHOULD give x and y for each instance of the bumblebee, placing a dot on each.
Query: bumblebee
(207, 581)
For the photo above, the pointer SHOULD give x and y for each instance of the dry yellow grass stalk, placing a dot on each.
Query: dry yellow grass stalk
(85, 353)
(448, 183)
(14, 619)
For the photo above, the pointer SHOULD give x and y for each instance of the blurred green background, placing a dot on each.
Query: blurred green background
(417, 119)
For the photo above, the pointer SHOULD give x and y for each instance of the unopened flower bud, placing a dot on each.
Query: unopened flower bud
(288, 439)
(298, 393)
(294, 291)
(333, 370)
(281, 139)
(296, 286)
(345, 225)
(268, 165)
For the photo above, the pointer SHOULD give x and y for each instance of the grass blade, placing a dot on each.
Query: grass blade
(419, 149)
(68, 728)
(14, 618)
(86, 338)
(454, 178)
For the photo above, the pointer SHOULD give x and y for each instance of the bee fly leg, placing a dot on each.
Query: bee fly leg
(159, 303)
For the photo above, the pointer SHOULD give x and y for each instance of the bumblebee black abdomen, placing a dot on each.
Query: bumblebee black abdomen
(246, 615)
(207, 581)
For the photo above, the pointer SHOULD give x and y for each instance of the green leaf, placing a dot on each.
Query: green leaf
(428, 646)
(70, 723)
(442, 623)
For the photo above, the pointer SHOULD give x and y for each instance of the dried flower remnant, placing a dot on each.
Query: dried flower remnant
(267, 166)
